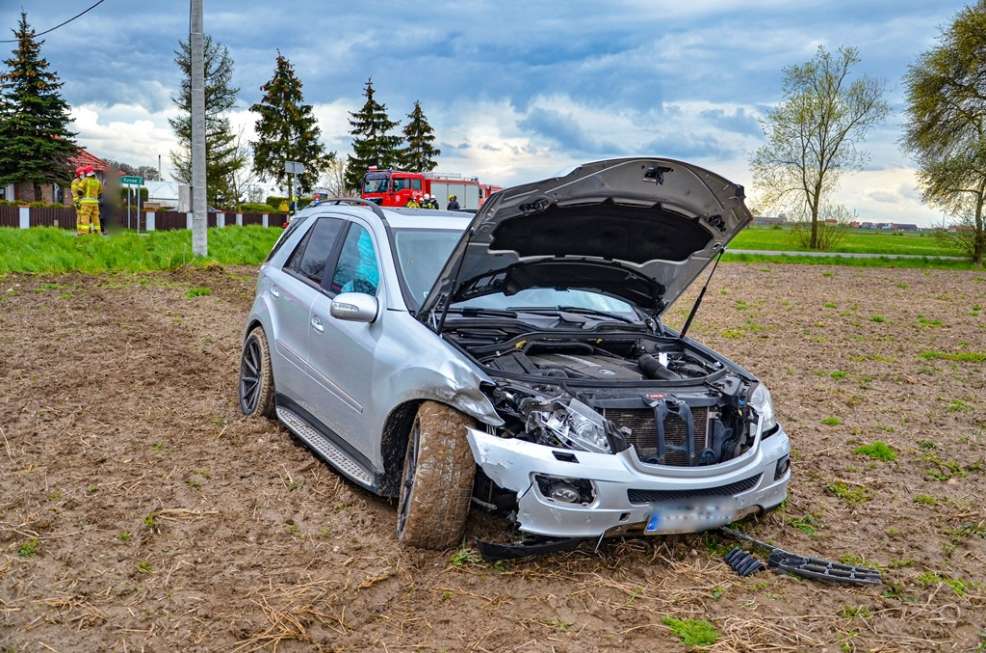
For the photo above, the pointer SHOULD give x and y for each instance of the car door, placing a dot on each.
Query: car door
(293, 290)
(343, 352)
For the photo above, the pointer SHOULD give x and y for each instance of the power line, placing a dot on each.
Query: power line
(62, 24)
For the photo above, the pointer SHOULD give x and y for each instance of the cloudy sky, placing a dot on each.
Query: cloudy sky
(515, 90)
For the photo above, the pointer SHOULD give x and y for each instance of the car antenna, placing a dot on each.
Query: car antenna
(701, 294)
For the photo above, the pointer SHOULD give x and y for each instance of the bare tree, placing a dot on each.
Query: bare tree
(333, 179)
(947, 132)
(814, 133)
(239, 180)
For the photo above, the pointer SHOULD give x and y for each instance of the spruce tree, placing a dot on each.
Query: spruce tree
(418, 154)
(372, 145)
(287, 130)
(223, 157)
(35, 140)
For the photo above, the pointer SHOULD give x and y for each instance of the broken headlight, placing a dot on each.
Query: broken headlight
(761, 402)
(573, 425)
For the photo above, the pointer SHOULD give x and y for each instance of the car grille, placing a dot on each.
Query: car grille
(652, 496)
(643, 433)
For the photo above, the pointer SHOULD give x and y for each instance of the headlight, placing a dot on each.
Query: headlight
(574, 425)
(762, 403)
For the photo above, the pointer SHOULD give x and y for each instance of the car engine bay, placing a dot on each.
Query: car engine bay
(604, 392)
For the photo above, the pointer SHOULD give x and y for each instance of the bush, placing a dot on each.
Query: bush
(275, 201)
(257, 207)
(133, 198)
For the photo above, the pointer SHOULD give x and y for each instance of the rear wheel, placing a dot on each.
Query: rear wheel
(256, 387)
(436, 486)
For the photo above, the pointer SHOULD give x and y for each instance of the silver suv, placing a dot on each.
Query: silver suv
(516, 360)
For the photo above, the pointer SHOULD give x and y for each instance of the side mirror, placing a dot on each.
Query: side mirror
(354, 307)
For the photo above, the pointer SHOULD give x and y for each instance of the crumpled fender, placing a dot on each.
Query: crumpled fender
(453, 382)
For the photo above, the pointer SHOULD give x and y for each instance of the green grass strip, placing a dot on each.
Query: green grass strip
(54, 251)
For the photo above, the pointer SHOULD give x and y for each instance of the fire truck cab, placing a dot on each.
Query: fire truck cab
(397, 188)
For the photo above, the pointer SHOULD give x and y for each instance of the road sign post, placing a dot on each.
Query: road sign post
(293, 168)
(132, 182)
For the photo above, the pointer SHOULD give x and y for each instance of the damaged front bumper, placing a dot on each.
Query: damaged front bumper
(621, 494)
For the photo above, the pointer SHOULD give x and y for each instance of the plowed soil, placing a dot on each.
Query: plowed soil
(140, 511)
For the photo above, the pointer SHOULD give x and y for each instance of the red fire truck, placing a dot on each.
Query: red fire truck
(397, 188)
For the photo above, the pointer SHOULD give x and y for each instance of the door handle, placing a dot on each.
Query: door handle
(274, 291)
(317, 325)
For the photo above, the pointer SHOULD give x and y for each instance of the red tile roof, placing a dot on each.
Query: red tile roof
(84, 158)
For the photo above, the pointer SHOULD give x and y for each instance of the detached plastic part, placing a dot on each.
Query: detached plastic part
(813, 568)
(743, 562)
(492, 551)
(824, 570)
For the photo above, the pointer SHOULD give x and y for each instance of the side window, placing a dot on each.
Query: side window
(415, 184)
(312, 254)
(357, 268)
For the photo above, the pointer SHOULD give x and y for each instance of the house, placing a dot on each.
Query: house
(57, 193)
(769, 220)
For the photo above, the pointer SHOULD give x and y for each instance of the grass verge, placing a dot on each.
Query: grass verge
(863, 242)
(54, 251)
(835, 259)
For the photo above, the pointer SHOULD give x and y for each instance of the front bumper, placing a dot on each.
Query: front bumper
(665, 499)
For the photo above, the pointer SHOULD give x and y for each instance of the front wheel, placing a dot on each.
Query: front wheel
(436, 485)
(256, 388)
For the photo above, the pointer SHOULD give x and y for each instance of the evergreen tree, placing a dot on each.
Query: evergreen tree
(372, 145)
(35, 140)
(419, 154)
(287, 130)
(223, 157)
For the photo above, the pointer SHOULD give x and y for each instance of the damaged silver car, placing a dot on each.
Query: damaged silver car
(516, 360)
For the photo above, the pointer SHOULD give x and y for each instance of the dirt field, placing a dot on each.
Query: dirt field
(139, 511)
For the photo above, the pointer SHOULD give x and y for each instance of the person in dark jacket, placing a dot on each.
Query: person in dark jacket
(453, 203)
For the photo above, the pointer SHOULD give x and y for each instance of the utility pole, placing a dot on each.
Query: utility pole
(200, 243)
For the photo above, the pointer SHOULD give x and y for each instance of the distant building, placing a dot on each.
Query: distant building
(57, 193)
(903, 226)
(769, 220)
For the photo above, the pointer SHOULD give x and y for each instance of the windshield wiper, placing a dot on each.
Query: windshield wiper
(494, 312)
(579, 310)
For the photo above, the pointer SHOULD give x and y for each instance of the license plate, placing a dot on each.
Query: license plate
(653, 523)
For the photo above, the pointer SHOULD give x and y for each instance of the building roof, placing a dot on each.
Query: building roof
(85, 158)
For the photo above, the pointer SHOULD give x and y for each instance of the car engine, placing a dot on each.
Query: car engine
(673, 403)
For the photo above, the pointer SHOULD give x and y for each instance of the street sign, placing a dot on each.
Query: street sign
(294, 167)
(132, 180)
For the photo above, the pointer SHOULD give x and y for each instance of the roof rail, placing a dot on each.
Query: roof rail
(357, 201)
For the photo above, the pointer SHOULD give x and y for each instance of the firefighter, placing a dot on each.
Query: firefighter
(453, 203)
(429, 202)
(91, 190)
(413, 203)
(76, 187)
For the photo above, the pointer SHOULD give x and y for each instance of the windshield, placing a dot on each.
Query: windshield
(541, 298)
(421, 254)
(376, 183)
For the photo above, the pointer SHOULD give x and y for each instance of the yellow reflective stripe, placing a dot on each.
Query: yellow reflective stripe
(89, 200)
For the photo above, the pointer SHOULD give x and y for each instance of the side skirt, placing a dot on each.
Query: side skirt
(326, 444)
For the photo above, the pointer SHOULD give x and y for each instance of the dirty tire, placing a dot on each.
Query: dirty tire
(256, 386)
(436, 485)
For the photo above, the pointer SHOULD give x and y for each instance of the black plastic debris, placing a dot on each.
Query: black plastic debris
(782, 561)
(492, 551)
(743, 562)
(824, 570)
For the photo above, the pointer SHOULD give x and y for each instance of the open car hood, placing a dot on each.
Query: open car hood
(640, 229)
